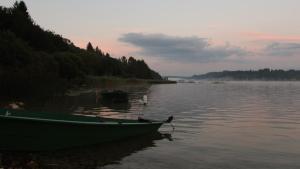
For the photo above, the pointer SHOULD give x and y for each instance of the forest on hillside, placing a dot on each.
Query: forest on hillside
(262, 74)
(33, 59)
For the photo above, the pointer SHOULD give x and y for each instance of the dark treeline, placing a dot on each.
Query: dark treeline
(262, 74)
(34, 59)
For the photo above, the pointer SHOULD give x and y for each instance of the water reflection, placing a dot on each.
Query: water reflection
(84, 157)
(234, 125)
(86, 102)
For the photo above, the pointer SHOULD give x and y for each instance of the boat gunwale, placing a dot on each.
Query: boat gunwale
(100, 123)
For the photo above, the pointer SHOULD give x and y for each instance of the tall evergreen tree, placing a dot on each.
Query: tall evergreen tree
(98, 51)
(90, 47)
(21, 6)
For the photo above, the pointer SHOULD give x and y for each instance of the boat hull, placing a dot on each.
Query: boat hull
(35, 135)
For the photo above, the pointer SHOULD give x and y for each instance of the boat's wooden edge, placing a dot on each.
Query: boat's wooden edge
(77, 122)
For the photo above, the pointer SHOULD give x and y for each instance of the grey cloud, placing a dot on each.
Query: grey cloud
(283, 49)
(186, 49)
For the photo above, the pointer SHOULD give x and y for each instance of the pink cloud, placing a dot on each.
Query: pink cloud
(258, 36)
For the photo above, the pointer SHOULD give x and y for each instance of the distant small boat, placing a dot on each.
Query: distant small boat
(218, 82)
(33, 131)
(186, 81)
(114, 96)
(190, 81)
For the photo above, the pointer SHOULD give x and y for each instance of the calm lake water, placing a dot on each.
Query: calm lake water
(245, 125)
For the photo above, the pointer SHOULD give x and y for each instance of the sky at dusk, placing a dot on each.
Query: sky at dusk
(181, 37)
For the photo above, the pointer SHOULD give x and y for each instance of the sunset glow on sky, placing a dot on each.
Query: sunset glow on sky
(181, 37)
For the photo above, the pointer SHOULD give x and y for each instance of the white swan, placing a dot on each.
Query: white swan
(144, 101)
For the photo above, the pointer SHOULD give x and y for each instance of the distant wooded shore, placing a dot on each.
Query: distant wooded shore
(262, 74)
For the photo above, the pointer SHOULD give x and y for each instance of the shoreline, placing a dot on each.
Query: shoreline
(88, 82)
(119, 81)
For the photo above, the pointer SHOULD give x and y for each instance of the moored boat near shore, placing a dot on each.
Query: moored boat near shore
(36, 131)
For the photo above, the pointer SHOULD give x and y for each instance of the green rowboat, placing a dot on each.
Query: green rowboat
(37, 131)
